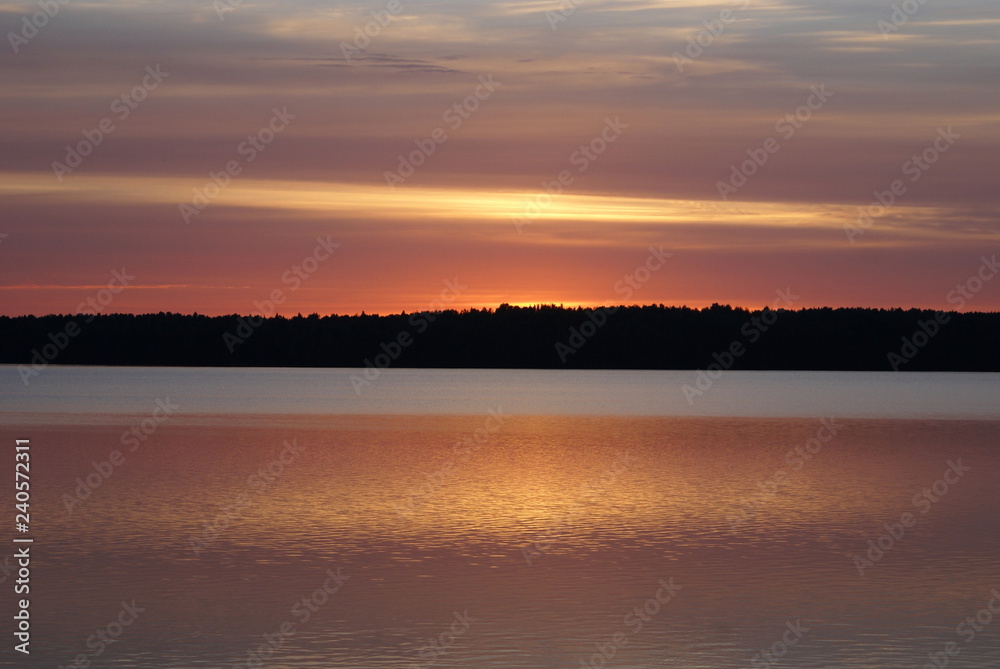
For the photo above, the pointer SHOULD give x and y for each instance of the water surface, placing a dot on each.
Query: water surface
(544, 536)
(99, 390)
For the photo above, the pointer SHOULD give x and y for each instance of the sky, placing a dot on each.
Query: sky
(401, 155)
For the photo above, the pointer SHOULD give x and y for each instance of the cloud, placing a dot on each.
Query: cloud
(355, 119)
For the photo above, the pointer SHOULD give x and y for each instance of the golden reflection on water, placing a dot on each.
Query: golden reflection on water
(549, 530)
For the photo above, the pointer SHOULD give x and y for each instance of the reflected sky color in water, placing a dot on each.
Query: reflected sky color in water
(121, 390)
(603, 508)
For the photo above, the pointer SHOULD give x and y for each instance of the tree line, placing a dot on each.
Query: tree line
(537, 337)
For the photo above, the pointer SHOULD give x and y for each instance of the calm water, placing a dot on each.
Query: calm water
(96, 390)
(585, 491)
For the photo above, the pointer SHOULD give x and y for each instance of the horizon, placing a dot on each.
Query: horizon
(493, 309)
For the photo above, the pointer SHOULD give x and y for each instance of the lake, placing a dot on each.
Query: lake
(507, 518)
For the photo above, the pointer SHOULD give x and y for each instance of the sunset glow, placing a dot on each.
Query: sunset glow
(531, 152)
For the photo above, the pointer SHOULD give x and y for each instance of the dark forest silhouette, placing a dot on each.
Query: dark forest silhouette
(544, 336)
